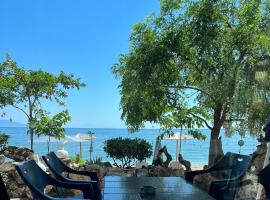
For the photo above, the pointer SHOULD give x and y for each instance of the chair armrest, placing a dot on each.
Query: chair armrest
(230, 180)
(95, 186)
(189, 176)
(86, 188)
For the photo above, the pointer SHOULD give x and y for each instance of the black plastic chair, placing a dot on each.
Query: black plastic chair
(235, 167)
(57, 167)
(3, 190)
(36, 179)
(264, 179)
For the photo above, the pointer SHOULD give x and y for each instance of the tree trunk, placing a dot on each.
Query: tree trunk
(49, 141)
(31, 132)
(215, 149)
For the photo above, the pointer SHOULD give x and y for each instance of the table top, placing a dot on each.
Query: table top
(172, 188)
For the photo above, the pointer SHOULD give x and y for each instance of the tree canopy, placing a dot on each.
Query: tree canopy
(51, 126)
(25, 89)
(198, 61)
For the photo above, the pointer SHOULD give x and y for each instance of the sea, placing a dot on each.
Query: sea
(194, 150)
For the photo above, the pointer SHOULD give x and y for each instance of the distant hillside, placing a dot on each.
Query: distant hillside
(7, 123)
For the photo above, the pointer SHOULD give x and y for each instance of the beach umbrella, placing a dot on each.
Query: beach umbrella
(178, 136)
(81, 137)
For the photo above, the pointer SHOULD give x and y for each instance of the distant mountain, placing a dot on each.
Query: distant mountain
(7, 123)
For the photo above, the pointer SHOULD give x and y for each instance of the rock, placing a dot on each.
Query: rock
(203, 181)
(141, 172)
(2, 159)
(142, 164)
(18, 154)
(258, 156)
(250, 189)
(14, 184)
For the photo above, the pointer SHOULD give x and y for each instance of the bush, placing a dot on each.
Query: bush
(125, 151)
(3, 141)
(77, 159)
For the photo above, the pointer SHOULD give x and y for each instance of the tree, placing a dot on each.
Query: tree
(125, 151)
(198, 60)
(3, 141)
(26, 89)
(51, 127)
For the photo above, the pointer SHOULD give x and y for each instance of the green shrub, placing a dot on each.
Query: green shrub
(4, 176)
(125, 151)
(3, 141)
(97, 160)
(77, 159)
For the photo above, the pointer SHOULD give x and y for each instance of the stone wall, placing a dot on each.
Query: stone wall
(15, 185)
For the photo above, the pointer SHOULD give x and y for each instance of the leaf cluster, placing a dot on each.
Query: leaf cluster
(127, 151)
(53, 126)
(3, 141)
(23, 88)
(195, 65)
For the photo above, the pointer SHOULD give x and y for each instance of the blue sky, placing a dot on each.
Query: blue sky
(82, 37)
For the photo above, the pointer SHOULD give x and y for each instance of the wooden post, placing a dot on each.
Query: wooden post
(80, 150)
(91, 147)
(176, 153)
(180, 140)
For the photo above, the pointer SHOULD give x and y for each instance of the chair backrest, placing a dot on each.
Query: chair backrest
(237, 164)
(3, 191)
(55, 165)
(264, 179)
(241, 165)
(34, 177)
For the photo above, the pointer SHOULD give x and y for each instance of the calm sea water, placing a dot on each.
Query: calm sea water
(193, 150)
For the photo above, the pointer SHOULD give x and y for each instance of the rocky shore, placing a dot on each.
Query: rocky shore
(17, 189)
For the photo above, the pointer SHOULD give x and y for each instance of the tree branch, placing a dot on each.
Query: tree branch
(194, 88)
(21, 110)
(203, 120)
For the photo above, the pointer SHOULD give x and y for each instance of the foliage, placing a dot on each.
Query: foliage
(3, 141)
(26, 89)
(97, 160)
(127, 151)
(4, 176)
(52, 127)
(196, 65)
(77, 159)
(194, 133)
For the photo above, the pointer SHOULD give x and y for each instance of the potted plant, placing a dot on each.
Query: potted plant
(3, 142)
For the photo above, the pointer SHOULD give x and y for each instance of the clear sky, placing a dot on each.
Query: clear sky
(83, 37)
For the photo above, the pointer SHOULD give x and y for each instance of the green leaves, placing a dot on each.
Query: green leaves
(194, 65)
(25, 90)
(3, 141)
(53, 126)
(30, 86)
(126, 151)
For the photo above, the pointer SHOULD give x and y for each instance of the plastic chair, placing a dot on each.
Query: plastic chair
(3, 190)
(57, 167)
(37, 180)
(264, 179)
(235, 166)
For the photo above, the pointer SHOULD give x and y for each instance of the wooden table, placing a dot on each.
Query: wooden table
(167, 188)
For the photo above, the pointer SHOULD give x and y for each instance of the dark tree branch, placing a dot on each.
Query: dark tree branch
(21, 110)
(194, 88)
(202, 119)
